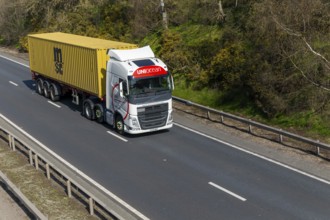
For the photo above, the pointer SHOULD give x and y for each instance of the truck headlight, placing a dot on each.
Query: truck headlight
(170, 117)
(135, 122)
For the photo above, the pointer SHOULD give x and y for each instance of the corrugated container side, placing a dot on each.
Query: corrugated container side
(80, 67)
(77, 61)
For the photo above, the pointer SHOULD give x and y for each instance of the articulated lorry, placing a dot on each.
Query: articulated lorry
(114, 82)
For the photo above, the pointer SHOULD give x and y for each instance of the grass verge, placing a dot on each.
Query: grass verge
(307, 124)
(46, 195)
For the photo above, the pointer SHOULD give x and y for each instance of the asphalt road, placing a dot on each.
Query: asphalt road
(175, 174)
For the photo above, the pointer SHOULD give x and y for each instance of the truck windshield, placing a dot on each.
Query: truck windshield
(139, 87)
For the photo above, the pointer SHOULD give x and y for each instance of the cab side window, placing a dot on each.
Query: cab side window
(125, 91)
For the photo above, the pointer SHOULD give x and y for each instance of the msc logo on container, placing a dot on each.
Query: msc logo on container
(58, 60)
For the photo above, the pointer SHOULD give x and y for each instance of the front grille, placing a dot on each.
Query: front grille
(153, 116)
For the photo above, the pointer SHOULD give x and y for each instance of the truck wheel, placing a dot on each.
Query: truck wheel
(46, 89)
(53, 95)
(88, 111)
(119, 124)
(99, 113)
(39, 87)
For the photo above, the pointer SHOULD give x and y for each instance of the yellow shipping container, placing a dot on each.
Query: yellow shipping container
(77, 61)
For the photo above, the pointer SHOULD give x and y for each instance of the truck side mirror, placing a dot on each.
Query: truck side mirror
(121, 92)
(172, 81)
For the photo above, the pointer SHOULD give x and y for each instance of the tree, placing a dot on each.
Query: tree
(308, 30)
(291, 50)
(12, 20)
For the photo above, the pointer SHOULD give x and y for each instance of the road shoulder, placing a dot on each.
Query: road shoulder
(295, 158)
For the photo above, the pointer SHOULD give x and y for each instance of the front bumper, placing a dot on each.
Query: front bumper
(141, 131)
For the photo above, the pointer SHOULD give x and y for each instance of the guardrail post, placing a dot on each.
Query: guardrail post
(281, 137)
(250, 127)
(91, 206)
(208, 115)
(9, 140)
(47, 171)
(221, 119)
(13, 146)
(31, 157)
(318, 149)
(68, 187)
(36, 161)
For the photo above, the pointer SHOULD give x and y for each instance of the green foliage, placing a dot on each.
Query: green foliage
(263, 58)
(115, 20)
(22, 46)
(227, 67)
(205, 96)
(288, 69)
(175, 54)
(307, 123)
(189, 51)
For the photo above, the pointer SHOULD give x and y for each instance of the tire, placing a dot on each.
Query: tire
(46, 89)
(119, 124)
(99, 113)
(88, 111)
(52, 94)
(40, 87)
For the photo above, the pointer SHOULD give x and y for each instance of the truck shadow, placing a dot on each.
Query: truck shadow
(65, 100)
(30, 84)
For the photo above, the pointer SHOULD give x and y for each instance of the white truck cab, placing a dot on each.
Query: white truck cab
(139, 91)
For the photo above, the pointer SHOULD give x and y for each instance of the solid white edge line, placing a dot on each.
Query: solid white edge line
(117, 136)
(11, 82)
(257, 155)
(227, 191)
(54, 104)
(22, 64)
(123, 203)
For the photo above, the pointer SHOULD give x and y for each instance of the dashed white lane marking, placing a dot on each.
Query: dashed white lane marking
(11, 82)
(117, 136)
(54, 104)
(227, 191)
(257, 155)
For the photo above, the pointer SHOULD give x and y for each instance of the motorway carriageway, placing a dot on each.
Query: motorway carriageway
(177, 174)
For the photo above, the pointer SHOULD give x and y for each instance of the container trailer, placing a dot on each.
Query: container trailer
(114, 82)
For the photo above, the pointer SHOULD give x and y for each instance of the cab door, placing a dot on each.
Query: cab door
(119, 102)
